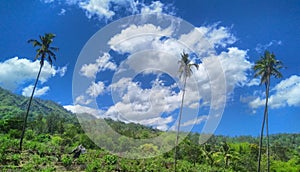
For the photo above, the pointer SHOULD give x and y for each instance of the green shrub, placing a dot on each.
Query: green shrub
(29, 135)
(14, 133)
(110, 159)
(94, 166)
(56, 140)
(66, 160)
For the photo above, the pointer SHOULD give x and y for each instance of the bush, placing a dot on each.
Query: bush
(14, 133)
(29, 135)
(110, 159)
(66, 160)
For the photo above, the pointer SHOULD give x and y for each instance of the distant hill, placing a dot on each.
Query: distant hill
(14, 105)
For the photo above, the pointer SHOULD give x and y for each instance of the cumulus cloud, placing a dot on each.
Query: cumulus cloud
(155, 7)
(27, 91)
(102, 63)
(95, 89)
(205, 39)
(17, 71)
(284, 94)
(83, 109)
(235, 64)
(135, 39)
(96, 7)
(157, 122)
(82, 100)
(135, 103)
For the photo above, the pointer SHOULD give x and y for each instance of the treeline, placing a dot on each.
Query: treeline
(50, 138)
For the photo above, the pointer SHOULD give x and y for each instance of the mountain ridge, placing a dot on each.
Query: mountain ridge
(12, 104)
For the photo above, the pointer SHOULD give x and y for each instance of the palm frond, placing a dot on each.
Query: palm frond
(185, 66)
(54, 48)
(267, 66)
(44, 50)
(34, 42)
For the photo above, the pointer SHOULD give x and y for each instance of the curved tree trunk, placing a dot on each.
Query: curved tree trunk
(28, 108)
(178, 125)
(262, 127)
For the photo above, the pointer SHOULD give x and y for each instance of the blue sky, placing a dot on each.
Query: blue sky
(237, 33)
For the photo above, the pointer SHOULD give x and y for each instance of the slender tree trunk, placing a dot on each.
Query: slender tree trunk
(178, 125)
(263, 126)
(28, 108)
(267, 125)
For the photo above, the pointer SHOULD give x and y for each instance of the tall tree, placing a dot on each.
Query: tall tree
(43, 52)
(266, 67)
(185, 70)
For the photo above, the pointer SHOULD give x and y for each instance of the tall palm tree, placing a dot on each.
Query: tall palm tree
(185, 70)
(44, 51)
(266, 67)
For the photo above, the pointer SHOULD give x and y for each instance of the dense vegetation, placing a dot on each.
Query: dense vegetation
(53, 133)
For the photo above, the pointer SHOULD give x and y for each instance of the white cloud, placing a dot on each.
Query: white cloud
(235, 65)
(101, 8)
(83, 109)
(17, 71)
(136, 104)
(107, 9)
(155, 7)
(82, 100)
(136, 39)
(95, 89)
(205, 39)
(102, 63)
(262, 47)
(27, 91)
(285, 94)
(158, 122)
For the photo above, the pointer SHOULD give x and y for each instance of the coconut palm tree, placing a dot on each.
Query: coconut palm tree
(44, 52)
(266, 67)
(185, 70)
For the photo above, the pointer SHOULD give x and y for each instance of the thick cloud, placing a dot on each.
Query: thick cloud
(27, 91)
(18, 71)
(101, 64)
(284, 94)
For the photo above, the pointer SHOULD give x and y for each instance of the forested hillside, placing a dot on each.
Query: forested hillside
(54, 132)
(14, 105)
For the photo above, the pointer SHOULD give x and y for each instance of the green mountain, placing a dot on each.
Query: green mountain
(53, 133)
(12, 105)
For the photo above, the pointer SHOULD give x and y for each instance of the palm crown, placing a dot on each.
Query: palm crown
(267, 66)
(44, 50)
(185, 65)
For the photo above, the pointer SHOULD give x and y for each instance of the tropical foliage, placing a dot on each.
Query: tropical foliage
(48, 142)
